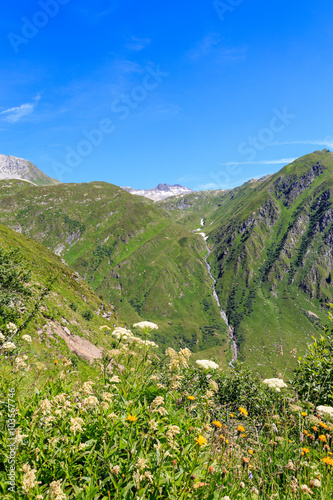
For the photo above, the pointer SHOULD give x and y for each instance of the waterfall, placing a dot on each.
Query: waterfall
(231, 331)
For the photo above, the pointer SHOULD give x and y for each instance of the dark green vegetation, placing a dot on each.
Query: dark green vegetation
(129, 251)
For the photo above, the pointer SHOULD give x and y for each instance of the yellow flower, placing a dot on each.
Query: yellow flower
(251, 452)
(322, 438)
(240, 428)
(324, 426)
(132, 418)
(314, 428)
(191, 398)
(305, 432)
(217, 423)
(243, 411)
(328, 461)
(243, 435)
(232, 415)
(304, 414)
(305, 451)
(201, 440)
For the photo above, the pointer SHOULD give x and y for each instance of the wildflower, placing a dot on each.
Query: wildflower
(250, 452)
(11, 327)
(290, 465)
(211, 470)
(29, 478)
(325, 410)
(275, 383)
(172, 431)
(305, 451)
(214, 385)
(207, 364)
(132, 418)
(201, 441)
(243, 411)
(315, 483)
(217, 423)
(304, 414)
(115, 470)
(242, 484)
(328, 461)
(2, 337)
(76, 424)
(104, 327)
(246, 460)
(240, 428)
(243, 435)
(153, 425)
(46, 406)
(305, 432)
(314, 428)
(323, 426)
(107, 396)
(226, 498)
(91, 401)
(191, 398)
(87, 388)
(115, 379)
(142, 463)
(9, 346)
(111, 415)
(158, 401)
(27, 338)
(56, 362)
(56, 492)
(146, 325)
(20, 363)
(305, 489)
(322, 438)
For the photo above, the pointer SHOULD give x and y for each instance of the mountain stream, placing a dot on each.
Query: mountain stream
(222, 312)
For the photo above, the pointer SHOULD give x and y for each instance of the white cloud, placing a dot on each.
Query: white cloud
(284, 161)
(212, 44)
(13, 115)
(328, 142)
(138, 44)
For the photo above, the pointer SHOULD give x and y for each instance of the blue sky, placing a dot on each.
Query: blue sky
(206, 94)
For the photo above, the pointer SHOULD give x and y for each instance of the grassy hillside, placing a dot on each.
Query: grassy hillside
(130, 252)
(272, 257)
(70, 301)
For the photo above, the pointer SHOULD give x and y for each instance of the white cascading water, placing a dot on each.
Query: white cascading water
(222, 312)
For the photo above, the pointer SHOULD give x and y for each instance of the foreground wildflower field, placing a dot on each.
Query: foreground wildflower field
(138, 425)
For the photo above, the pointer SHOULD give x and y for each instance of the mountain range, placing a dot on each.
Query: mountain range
(161, 192)
(268, 242)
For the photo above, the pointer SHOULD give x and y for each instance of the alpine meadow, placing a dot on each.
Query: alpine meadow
(166, 250)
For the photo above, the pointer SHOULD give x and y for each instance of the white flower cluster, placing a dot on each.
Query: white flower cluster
(146, 325)
(207, 364)
(2, 337)
(20, 363)
(11, 327)
(275, 383)
(325, 410)
(27, 338)
(9, 346)
(127, 336)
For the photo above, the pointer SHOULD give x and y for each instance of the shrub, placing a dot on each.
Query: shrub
(314, 374)
(87, 314)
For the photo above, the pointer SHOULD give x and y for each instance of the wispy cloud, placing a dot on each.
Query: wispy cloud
(212, 44)
(328, 142)
(284, 161)
(13, 115)
(138, 44)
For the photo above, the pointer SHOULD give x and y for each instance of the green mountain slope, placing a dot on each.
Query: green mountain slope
(69, 303)
(272, 257)
(129, 251)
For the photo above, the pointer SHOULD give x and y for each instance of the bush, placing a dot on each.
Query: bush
(314, 375)
(87, 314)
